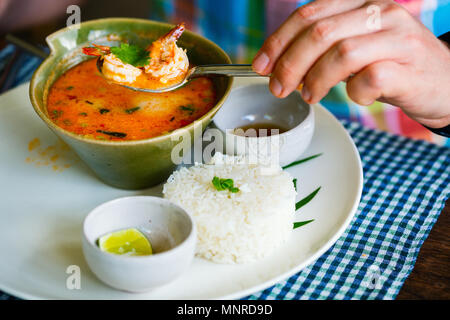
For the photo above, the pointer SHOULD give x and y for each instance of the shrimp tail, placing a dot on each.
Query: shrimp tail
(96, 50)
(175, 33)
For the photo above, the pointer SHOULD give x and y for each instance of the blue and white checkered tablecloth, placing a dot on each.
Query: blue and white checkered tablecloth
(406, 185)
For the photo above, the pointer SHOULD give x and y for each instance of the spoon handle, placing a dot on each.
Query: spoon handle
(26, 46)
(232, 70)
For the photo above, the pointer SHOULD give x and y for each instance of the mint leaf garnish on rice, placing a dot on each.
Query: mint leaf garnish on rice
(224, 184)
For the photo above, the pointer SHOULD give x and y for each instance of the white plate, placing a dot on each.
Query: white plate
(42, 209)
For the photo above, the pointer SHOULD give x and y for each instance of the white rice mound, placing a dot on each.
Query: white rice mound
(235, 227)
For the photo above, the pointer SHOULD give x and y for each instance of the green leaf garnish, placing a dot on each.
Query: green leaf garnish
(302, 160)
(131, 110)
(56, 114)
(131, 54)
(309, 197)
(189, 108)
(227, 183)
(113, 133)
(306, 199)
(216, 184)
(103, 111)
(224, 184)
(301, 223)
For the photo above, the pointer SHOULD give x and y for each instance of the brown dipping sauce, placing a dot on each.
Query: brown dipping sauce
(259, 130)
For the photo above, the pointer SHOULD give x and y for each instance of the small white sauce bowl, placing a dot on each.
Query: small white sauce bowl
(255, 104)
(171, 232)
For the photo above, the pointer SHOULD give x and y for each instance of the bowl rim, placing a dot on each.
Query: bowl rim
(192, 236)
(175, 133)
(290, 132)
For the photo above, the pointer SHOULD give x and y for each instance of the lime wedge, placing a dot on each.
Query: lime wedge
(130, 242)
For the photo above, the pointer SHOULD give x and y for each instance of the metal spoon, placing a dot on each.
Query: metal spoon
(231, 70)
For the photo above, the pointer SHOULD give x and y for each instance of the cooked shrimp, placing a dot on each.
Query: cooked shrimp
(116, 70)
(113, 68)
(168, 61)
(97, 50)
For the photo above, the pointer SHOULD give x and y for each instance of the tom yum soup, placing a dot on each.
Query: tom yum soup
(83, 102)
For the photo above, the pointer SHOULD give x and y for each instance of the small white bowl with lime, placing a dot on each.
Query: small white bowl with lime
(138, 243)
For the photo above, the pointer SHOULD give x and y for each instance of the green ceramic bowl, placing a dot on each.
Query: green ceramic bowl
(128, 164)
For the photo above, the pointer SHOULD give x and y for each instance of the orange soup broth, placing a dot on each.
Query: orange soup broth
(83, 102)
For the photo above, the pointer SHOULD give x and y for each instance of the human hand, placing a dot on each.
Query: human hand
(399, 61)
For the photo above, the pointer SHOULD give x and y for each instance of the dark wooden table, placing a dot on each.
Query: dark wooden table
(430, 278)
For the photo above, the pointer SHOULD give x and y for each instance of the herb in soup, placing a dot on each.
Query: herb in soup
(113, 133)
(131, 110)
